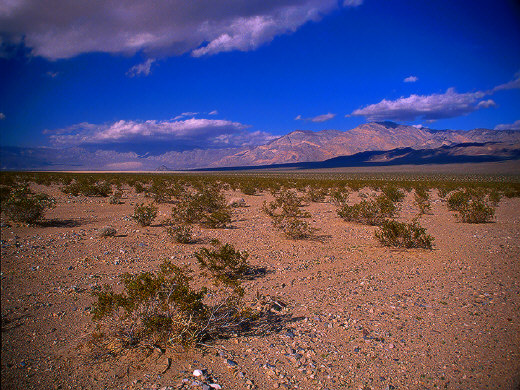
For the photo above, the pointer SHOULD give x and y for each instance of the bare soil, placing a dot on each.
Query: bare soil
(358, 315)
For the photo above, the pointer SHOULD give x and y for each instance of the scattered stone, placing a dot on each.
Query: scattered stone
(231, 363)
(237, 202)
(107, 231)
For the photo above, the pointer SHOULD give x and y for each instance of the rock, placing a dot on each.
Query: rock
(215, 386)
(231, 363)
(197, 373)
(237, 202)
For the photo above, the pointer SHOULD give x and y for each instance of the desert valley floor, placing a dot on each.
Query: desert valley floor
(352, 313)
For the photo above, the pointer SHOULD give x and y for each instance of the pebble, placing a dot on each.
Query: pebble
(231, 363)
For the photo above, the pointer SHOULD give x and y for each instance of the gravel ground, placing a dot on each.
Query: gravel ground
(358, 315)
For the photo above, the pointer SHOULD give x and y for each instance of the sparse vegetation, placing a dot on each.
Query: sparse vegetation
(369, 211)
(287, 215)
(472, 206)
(403, 235)
(206, 207)
(145, 214)
(224, 263)
(180, 233)
(22, 205)
(88, 187)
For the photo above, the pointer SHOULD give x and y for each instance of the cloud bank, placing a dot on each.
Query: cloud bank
(57, 29)
(159, 136)
(509, 126)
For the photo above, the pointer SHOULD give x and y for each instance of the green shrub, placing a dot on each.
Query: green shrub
(247, 187)
(116, 197)
(316, 194)
(287, 215)
(472, 206)
(88, 188)
(145, 214)
(180, 233)
(369, 212)
(338, 196)
(476, 211)
(207, 207)
(393, 193)
(23, 205)
(403, 235)
(164, 308)
(422, 199)
(225, 264)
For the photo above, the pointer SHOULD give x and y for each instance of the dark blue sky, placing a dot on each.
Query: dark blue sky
(67, 79)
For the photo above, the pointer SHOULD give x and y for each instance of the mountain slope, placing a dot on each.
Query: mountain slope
(302, 146)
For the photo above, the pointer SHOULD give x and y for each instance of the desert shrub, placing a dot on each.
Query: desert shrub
(422, 199)
(472, 206)
(403, 235)
(476, 211)
(207, 207)
(138, 187)
(116, 197)
(459, 200)
(180, 233)
(287, 215)
(23, 205)
(369, 212)
(247, 187)
(162, 191)
(393, 193)
(338, 196)
(162, 307)
(225, 264)
(5, 191)
(107, 231)
(316, 194)
(495, 197)
(145, 214)
(88, 188)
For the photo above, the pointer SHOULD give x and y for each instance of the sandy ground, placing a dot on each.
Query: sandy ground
(359, 315)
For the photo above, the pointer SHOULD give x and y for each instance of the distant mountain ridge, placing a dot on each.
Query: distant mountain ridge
(300, 146)
(306, 146)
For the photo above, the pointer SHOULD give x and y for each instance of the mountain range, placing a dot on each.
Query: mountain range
(370, 143)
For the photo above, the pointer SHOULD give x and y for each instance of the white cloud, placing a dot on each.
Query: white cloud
(2, 116)
(52, 75)
(57, 29)
(427, 107)
(214, 112)
(514, 84)
(185, 114)
(164, 135)
(319, 118)
(411, 79)
(509, 126)
(486, 103)
(143, 69)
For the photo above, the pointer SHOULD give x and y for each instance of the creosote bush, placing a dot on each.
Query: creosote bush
(223, 263)
(206, 207)
(116, 197)
(88, 187)
(369, 212)
(22, 205)
(422, 199)
(403, 235)
(472, 206)
(180, 233)
(145, 214)
(287, 215)
(164, 308)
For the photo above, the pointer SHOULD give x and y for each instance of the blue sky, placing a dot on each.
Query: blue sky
(131, 77)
